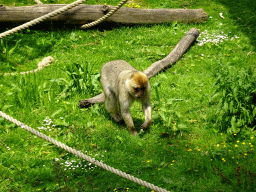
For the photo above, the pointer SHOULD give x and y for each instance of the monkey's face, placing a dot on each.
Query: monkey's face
(138, 92)
(138, 84)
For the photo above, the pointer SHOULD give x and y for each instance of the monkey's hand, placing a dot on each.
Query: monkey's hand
(145, 125)
(118, 118)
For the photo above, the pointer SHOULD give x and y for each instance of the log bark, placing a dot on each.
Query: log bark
(156, 67)
(86, 13)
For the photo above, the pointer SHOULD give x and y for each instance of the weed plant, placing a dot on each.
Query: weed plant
(202, 137)
(236, 89)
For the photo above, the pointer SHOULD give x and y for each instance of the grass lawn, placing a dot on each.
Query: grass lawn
(202, 137)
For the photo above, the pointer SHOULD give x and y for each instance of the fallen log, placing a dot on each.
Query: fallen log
(82, 14)
(156, 67)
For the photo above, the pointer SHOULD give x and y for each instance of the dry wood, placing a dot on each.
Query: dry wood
(86, 13)
(156, 67)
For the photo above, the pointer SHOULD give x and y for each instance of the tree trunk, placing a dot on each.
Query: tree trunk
(156, 67)
(86, 13)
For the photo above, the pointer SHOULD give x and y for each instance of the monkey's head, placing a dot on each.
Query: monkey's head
(138, 84)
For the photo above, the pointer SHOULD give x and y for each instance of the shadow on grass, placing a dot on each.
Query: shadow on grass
(243, 12)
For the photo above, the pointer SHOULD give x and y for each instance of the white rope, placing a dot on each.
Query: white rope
(44, 63)
(40, 19)
(81, 155)
(38, 2)
(58, 11)
(105, 16)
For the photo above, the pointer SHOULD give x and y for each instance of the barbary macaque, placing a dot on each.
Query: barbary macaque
(122, 84)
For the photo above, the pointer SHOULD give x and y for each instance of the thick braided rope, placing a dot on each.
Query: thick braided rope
(40, 19)
(38, 2)
(105, 16)
(81, 155)
(44, 63)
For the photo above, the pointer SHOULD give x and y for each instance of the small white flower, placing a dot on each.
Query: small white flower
(221, 15)
(220, 23)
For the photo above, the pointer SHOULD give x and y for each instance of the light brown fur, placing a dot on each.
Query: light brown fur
(139, 79)
(122, 84)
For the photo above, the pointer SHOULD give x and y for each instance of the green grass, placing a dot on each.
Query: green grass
(186, 149)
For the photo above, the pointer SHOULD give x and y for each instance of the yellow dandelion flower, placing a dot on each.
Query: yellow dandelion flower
(235, 134)
(237, 141)
(243, 143)
(171, 164)
(148, 161)
(218, 145)
(245, 154)
(190, 150)
(221, 134)
(251, 145)
(229, 150)
(236, 145)
(211, 159)
(233, 157)
(173, 161)
(252, 137)
(57, 184)
(198, 149)
(159, 169)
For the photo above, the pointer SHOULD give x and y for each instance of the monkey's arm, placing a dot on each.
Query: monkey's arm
(125, 103)
(147, 112)
(157, 66)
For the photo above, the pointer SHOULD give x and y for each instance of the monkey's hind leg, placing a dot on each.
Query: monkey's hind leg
(112, 107)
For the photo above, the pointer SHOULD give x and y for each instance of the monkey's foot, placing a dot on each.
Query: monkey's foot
(134, 132)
